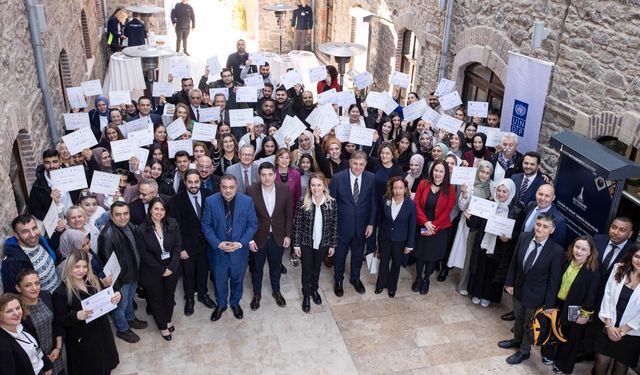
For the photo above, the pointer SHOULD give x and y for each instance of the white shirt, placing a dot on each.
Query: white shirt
(395, 208)
(196, 111)
(532, 246)
(353, 179)
(615, 254)
(30, 346)
(269, 197)
(317, 224)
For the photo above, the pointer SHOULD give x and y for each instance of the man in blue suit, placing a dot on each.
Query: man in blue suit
(228, 223)
(545, 195)
(353, 190)
(529, 180)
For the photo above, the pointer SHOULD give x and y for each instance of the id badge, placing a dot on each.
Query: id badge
(165, 255)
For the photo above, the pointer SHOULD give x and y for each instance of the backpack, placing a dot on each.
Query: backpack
(544, 328)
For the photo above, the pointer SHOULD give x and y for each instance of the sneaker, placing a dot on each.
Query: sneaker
(128, 336)
(474, 300)
(485, 302)
(138, 324)
(557, 370)
(464, 292)
(547, 361)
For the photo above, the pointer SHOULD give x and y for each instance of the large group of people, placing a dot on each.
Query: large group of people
(242, 200)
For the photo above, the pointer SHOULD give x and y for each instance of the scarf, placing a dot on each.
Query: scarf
(506, 163)
(489, 240)
(97, 156)
(104, 99)
(71, 239)
(309, 135)
(410, 177)
(443, 148)
(482, 189)
(480, 153)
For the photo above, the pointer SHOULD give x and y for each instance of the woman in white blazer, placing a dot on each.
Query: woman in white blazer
(619, 341)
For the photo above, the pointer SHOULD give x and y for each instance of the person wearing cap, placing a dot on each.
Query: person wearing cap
(255, 134)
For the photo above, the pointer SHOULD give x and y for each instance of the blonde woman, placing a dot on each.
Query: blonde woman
(314, 235)
(90, 345)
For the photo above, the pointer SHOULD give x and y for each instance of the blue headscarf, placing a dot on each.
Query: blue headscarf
(101, 98)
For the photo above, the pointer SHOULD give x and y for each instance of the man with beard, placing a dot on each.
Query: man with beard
(237, 60)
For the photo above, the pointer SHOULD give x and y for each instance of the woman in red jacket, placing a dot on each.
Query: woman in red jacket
(434, 201)
(331, 82)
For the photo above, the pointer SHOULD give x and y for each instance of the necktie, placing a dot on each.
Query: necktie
(198, 207)
(246, 179)
(198, 114)
(609, 257)
(528, 263)
(229, 220)
(523, 188)
(356, 191)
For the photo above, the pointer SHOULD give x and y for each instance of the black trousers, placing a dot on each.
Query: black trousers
(523, 317)
(390, 251)
(311, 264)
(181, 36)
(272, 253)
(161, 298)
(426, 267)
(195, 271)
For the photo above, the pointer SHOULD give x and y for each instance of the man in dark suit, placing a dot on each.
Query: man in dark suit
(274, 209)
(533, 280)
(194, 258)
(353, 190)
(545, 195)
(229, 222)
(195, 104)
(529, 180)
(208, 180)
(147, 190)
(144, 112)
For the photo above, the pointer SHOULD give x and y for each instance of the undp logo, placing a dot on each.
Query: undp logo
(519, 117)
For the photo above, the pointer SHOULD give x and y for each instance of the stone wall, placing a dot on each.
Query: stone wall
(269, 32)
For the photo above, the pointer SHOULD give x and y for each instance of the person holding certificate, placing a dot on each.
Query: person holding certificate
(111, 133)
(329, 156)
(99, 115)
(182, 111)
(159, 244)
(330, 82)
(491, 255)
(478, 151)
(91, 348)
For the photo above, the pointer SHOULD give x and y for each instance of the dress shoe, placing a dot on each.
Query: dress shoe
(280, 301)
(338, 289)
(509, 317)
(187, 53)
(517, 357)
(172, 329)
(358, 286)
(237, 311)
(255, 302)
(128, 336)
(508, 344)
(137, 324)
(306, 304)
(316, 298)
(424, 286)
(283, 269)
(442, 276)
(392, 294)
(415, 286)
(217, 313)
(378, 291)
(207, 301)
(166, 337)
(188, 306)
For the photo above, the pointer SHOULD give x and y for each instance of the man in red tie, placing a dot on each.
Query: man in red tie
(245, 171)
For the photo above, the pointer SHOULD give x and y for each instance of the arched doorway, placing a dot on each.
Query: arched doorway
(481, 84)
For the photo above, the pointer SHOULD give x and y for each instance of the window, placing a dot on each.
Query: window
(408, 60)
(99, 14)
(18, 181)
(328, 29)
(85, 35)
(64, 70)
(481, 84)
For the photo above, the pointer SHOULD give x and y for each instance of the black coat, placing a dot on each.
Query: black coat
(15, 360)
(583, 291)
(151, 264)
(180, 208)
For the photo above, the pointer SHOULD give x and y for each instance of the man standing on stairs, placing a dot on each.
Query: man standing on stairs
(183, 19)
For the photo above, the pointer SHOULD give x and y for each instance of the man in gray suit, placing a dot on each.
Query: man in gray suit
(245, 172)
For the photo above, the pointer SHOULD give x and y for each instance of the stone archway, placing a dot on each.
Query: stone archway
(624, 126)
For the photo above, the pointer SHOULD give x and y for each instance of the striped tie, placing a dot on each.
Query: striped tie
(356, 191)
(523, 188)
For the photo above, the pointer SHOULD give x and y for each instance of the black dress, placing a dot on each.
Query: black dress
(625, 351)
(91, 348)
(431, 248)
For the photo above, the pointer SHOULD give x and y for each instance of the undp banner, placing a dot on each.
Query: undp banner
(524, 96)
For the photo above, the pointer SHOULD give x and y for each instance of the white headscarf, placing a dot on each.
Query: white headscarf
(489, 240)
(410, 176)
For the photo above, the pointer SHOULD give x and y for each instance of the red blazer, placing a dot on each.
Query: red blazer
(443, 206)
(322, 85)
(469, 157)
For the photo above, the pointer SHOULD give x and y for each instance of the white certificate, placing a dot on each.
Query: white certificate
(76, 97)
(448, 123)
(381, 100)
(142, 154)
(363, 80)
(254, 80)
(327, 97)
(431, 116)
(119, 97)
(182, 145)
(291, 79)
(69, 179)
(479, 109)
(483, 208)
(99, 303)
(343, 131)
(323, 117)
(123, 149)
(73, 121)
(214, 65)
(361, 136)
(91, 88)
(176, 129)
(494, 135)
(400, 79)
(50, 220)
(450, 100)
(291, 127)
(180, 70)
(246, 95)
(414, 110)
(141, 137)
(210, 114)
(345, 98)
(318, 73)
(162, 89)
(112, 268)
(463, 175)
(137, 125)
(499, 226)
(458, 160)
(104, 183)
(79, 140)
(445, 86)
(257, 58)
(203, 132)
(239, 118)
(271, 159)
(220, 90)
